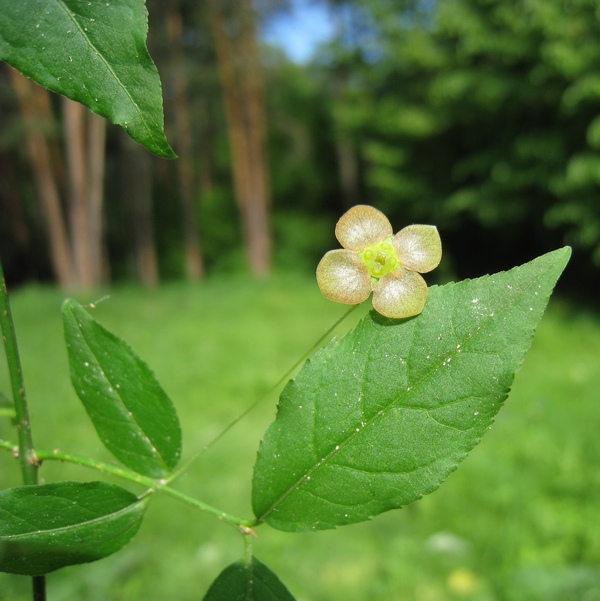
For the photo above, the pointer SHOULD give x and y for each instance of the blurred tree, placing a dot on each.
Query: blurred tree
(35, 108)
(136, 190)
(478, 115)
(76, 250)
(85, 138)
(484, 112)
(234, 30)
(194, 262)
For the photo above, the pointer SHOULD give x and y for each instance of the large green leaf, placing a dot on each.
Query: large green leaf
(43, 528)
(381, 417)
(132, 414)
(243, 581)
(92, 51)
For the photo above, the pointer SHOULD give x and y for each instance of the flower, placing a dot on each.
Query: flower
(375, 260)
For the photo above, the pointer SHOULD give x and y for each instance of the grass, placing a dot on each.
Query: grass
(517, 521)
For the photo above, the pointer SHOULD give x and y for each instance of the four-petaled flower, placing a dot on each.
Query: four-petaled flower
(374, 259)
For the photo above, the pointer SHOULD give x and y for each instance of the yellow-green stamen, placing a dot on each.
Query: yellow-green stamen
(380, 259)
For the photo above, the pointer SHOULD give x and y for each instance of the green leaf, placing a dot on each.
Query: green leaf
(380, 418)
(44, 528)
(132, 414)
(243, 581)
(93, 52)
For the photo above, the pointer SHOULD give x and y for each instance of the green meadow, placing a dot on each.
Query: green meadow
(518, 521)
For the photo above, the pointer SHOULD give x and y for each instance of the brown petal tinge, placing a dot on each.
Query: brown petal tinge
(362, 226)
(399, 294)
(418, 247)
(343, 277)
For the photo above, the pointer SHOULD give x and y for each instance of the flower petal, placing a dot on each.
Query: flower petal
(343, 277)
(418, 247)
(362, 226)
(400, 293)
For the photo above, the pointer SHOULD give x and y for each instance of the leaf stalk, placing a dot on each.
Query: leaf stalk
(243, 526)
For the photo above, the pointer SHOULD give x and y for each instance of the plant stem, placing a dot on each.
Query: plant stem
(27, 458)
(240, 524)
(26, 453)
(39, 588)
(260, 399)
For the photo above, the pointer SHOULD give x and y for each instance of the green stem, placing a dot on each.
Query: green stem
(39, 588)
(260, 399)
(27, 459)
(160, 485)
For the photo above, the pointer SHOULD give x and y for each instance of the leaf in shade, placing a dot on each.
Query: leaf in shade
(93, 52)
(132, 414)
(44, 528)
(243, 581)
(380, 418)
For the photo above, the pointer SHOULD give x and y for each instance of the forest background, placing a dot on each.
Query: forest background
(479, 116)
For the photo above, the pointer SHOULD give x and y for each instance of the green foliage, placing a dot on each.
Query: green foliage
(513, 519)
(93, 52)
(46, 527)
(481, 115)
(132, 414)
(380, 418)
(372, 423)
(248, 581)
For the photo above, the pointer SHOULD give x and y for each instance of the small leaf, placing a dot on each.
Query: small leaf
(132, 414)
(380, 418)
(44, 528)
(93, 52)
(243, 581)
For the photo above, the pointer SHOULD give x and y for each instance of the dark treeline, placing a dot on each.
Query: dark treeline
(480, 116)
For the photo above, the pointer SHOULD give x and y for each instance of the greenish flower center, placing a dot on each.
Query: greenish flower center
(380, 259)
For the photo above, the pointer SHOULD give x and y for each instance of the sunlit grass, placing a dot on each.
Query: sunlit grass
(517, 521)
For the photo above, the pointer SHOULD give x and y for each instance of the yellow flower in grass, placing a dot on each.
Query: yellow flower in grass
(375, 260)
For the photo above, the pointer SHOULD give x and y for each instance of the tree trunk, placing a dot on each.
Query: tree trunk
(183, 134)
(96, 143)
(34, 106)
(240, 73)
(137, 189)
(85, 149)
(79, 215)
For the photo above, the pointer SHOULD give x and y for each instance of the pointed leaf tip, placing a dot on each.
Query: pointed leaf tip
(94, 54)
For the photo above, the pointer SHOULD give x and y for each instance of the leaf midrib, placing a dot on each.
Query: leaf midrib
(129, 415)
(107, 65)
(115, 514)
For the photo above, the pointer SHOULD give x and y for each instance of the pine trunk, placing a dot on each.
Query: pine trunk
(34, 105)
(240, 74)
(194, 262)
